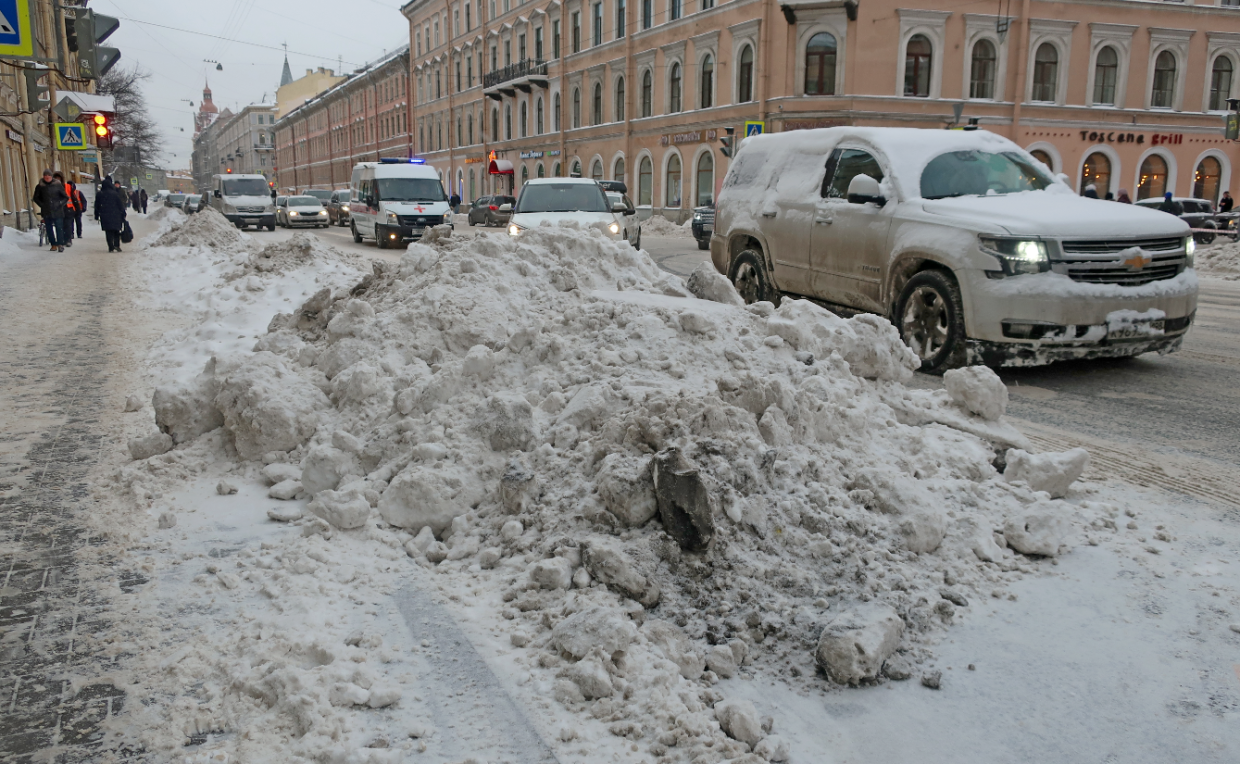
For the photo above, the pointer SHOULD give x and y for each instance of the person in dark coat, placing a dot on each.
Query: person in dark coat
(110, 212)
(1123, 197)
(135, 201)
(1091, 192)
(142, 197)
(1226, 203)
(454, 201)
(1171, 206)
(50, 195)
(66, 225)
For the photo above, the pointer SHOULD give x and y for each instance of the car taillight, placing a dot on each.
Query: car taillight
(493, 208)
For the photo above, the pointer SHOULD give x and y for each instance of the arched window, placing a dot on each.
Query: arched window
(473, 189)
(596, 107)
(1206, 179)
(541, 172)
(596, 170)
(576, 107)
(459, 135)
(707, 82)
(1044, 158)
(1096, 171)
(820, 65)
(495, 124)
(508, 122)
(575, 172)
(538, 117)
(619, 109)
(1153, 181)
(525, 174)
(1045, 73)
(645, 181)
(705, 179)
(673, 182)
(744, 81)
(617, 170)
(674, 90)
(439, 130)
(525, 119)
(469, 128)
(917, 57)
(647, 94)
(1220, 83)
(555, 114)
(1106, 74)
(982, 73)
(555, 171)
(1163, 94)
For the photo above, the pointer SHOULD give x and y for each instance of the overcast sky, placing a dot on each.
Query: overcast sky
(317, 33)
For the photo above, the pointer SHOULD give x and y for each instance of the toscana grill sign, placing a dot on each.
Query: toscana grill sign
(1119, 136)
(696, 136)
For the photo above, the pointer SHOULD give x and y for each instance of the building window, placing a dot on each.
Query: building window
(555, 171)
(745, 76)
(459, 135)
(469, 72)
(622, 19)
(508, 122)
(917, 67)
(1206, 179)
(541, 172)
(617, 170)
(521, 48)
(673, 182)
(673, 9)
(494, 58)
(1220, 83)
(495, 124)
(596, 106)
(575, 171)
(1153, 182)
(674, 90)
(647, 14)
(555, 39)
(458, 76)
(1106, 74)
(555, 114)
(438, 84)
(820, 65)
(618, 111)
(538, 117)
(707, 82)
(705, 179)
(1163, 94)
(575, 21)
(507, 52)
(440, 133)
(576, 107)
(596, 170)
(645, 181)
(538, 43)
(1045, 73)
(982, 73)
(469, 126)
(525, 175)
(1044, 158)
(708, 4)
(598, 24)
(468, 23)
(647, 94)
(1096, 172)
(525, 119)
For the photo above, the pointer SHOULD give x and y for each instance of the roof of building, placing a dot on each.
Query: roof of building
(349, 78)
(287, 76)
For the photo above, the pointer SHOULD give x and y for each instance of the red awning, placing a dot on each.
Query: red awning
(500, 167)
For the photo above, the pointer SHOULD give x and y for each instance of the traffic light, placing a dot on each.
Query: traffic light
(726, 140)
(38, 96)
(94, 60)
(101, 123)
(71, 38)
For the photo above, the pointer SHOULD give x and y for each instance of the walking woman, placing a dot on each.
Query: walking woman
(110, 212)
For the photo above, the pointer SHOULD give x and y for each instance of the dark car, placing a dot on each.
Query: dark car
(192, 203)
(338, 207)
(703, 224)
(486, 210)
(322, 194)
(1198, 213)
(174, 200)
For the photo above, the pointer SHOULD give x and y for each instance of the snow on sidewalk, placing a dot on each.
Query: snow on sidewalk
(637, 502)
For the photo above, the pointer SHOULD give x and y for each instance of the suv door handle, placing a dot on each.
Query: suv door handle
(768, 214)
(824, 221)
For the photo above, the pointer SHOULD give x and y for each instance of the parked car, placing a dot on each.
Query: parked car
(190, 203)
(632, 226)
(486, 210)
(965, 241)
(557, 200)
(174, 200)
(703, 224)
(338, 207)
(295, 211)
(1198, 213)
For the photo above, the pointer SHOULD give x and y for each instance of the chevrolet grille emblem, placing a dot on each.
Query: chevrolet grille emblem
(1137, 262)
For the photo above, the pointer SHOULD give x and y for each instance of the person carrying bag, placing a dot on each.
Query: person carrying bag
(110, 210)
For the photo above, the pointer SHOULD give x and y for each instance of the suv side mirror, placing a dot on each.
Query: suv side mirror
(863, 189)
(505, 207)
(619, 207)
(216, 193)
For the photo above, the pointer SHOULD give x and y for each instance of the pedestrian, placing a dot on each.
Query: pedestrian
(1123, 197)
(135, 201)
(1091, 191)
(70, 193)
(142, 197)
(1110, 197)
(1226, 203)
(1170, 205)
(454, 202)
(79, 207)
(50, 195)
(110, 212)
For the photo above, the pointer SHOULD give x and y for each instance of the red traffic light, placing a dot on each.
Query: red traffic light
(103, 130)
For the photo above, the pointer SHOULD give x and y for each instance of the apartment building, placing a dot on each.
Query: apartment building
(362, 118)
(643, 90)
(246, 141)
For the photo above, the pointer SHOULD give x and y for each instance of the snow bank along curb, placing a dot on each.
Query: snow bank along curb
(660, 491)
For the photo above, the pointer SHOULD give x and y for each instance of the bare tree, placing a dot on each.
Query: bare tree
(133, 127)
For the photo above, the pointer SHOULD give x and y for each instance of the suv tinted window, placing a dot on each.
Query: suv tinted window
(851, 163)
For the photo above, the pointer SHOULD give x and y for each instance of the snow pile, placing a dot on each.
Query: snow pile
(13, 241)
(657, 225)
(1221, 260)
(648, 491)
(206, 229)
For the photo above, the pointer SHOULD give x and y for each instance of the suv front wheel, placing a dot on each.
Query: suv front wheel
(930, 318)
(752, 280)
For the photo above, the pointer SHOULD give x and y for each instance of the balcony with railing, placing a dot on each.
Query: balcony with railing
(522, 75)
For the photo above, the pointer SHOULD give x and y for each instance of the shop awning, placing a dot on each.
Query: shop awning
(500, 167)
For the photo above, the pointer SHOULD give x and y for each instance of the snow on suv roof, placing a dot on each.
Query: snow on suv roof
(543, 181)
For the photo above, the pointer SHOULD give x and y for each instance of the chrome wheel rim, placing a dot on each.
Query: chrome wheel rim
(924, 324)
(748, 285)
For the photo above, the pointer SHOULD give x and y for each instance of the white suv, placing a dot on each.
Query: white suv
(966, 242)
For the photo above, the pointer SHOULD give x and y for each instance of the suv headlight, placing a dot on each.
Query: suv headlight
(614, 228)
(1017, 255)
(514, 229)
(1190, 251)
(392, 217)
(447, 218)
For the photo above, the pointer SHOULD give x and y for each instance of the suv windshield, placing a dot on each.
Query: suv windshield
(177, 198)
(321, 194)
(246, 187)
(410, 190)
(342, 196)
(303, 201)
(562, 197)
(978, 173)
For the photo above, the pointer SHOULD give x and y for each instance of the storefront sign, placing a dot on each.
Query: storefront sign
(1118, 136)
(17, 137)
(475, 160)
(696, 136)
(811, 124)
(531, 154)
(555, 153)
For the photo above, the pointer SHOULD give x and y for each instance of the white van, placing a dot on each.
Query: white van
(244, 199)
(394, 200)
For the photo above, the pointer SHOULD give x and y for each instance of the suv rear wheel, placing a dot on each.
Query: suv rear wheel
(357, 237)
(930, 318)
(751, 278)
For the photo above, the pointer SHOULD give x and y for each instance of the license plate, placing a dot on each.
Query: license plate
(1137, 329)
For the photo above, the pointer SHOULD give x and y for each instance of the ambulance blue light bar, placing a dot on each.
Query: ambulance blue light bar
(401, 160)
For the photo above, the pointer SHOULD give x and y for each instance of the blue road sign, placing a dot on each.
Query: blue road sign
(70, 136)
(16, 41)
(754, 128)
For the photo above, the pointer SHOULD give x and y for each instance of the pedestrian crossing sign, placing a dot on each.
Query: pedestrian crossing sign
(16, 39)
(754, 128)
(70, 136)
